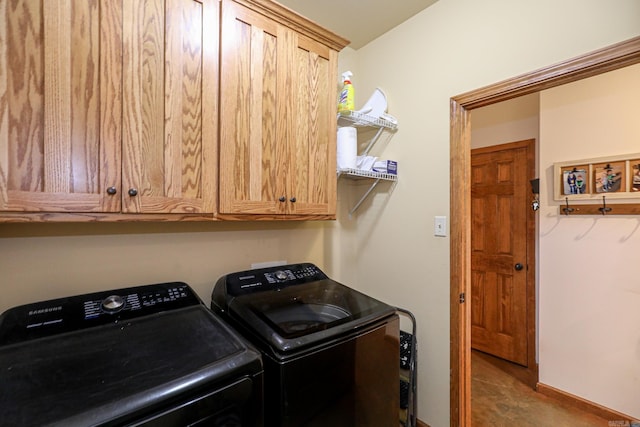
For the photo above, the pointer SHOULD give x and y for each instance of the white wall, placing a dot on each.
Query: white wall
(450, 48)
(589, 287)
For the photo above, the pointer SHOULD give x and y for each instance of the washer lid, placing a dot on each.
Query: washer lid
(294, 317)
(118, 371)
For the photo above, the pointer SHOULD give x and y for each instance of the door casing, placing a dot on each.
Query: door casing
(611, 58)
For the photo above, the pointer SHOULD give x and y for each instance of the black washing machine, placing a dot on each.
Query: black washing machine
(151, 355)
(330, 353)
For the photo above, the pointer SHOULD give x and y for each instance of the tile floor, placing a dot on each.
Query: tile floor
(500, 399)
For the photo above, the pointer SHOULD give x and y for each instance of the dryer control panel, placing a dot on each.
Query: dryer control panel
(73, 313)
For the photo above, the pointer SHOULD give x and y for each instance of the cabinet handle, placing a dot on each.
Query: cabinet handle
(133, 192)
(112, 190)
(292, 200)
(283, 199)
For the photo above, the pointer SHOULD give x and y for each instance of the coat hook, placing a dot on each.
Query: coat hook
(604, 209)
(567, 210)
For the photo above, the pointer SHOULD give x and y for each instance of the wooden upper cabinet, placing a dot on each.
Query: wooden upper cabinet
(170, 80)
(312, 171)
(109, 106)
(60, 111)
(277, 114)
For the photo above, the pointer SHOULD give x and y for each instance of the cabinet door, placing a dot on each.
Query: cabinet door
(253, 146)
(277, 118)
(170, 105)
(312, 170)
(60, 111)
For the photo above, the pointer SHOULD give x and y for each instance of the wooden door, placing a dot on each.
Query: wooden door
(499, 208)
(60, 106)
(254, 114)
(311, 173)
(170, 106)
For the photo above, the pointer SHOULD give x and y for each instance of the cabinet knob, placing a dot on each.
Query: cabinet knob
(133, 192)
(283, 199)
(292, 200)
(112, 190)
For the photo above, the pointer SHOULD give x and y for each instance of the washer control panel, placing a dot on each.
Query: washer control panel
(52, 317)
(271, 278)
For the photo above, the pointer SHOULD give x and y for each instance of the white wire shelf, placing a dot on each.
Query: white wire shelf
(366, 174)
(369, 175)
(353, 118)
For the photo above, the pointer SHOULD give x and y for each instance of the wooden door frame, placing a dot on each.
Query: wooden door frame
(530, 145)
(600, 61)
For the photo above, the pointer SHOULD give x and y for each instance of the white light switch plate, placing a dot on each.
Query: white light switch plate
(440, 226)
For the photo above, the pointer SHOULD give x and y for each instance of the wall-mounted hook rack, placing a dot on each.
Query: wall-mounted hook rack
(601, 209)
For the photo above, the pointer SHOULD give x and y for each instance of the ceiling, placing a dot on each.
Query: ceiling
(359, 21)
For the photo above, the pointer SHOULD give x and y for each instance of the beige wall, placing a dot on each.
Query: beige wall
(340, 249)
(450, 48)
(505, 122)
(44, 261)
(589, 288)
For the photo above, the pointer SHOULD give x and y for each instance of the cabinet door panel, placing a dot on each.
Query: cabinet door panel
(251, 139)
(59, 105)
(278, 124)
(312, 177)
(169, 113)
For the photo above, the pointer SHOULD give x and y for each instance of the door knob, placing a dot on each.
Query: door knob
(282, 199)
(518, 267)
(112, 190)
(292, 200)
(133, 192)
